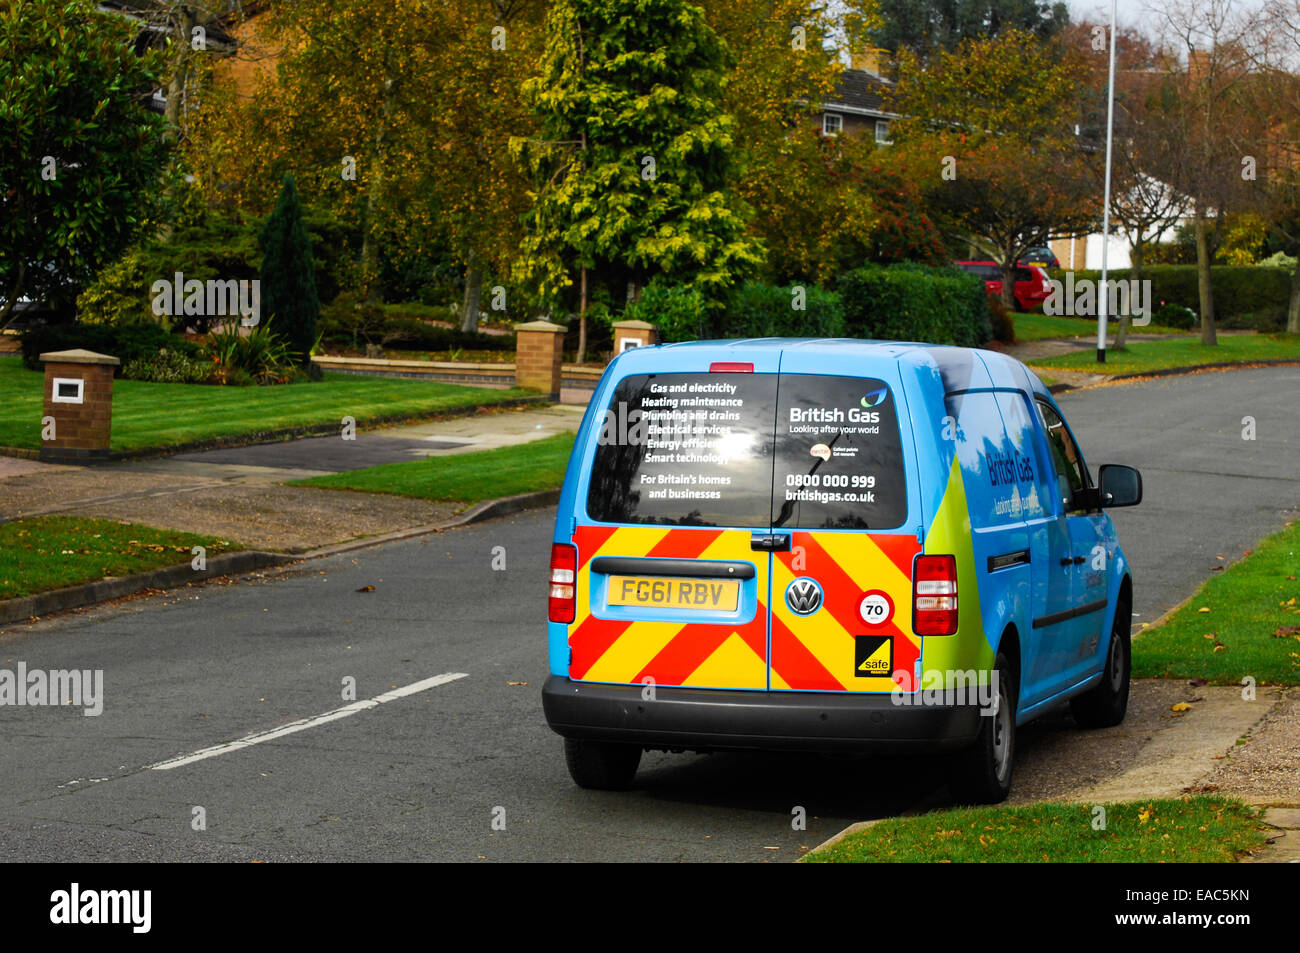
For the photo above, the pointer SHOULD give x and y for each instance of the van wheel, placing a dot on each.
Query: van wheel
(601, 765)
(982, 773)
(1105, 705)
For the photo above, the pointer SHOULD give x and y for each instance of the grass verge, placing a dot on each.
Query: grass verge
(1187, 351)
(50, 552)
(463, 477)
(1242, 622)
(148, 415)
(1203, 829)
(1037, 326)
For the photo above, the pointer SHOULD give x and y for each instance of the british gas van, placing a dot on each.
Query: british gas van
(831, 546)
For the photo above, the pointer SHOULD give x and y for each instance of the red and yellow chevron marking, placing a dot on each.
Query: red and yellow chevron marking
(670, 653)
(811, 653)
(816, 652)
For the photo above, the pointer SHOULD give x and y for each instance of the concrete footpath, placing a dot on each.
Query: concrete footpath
(237, 494)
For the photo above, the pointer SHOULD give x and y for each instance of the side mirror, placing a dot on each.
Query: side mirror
(1119, 485)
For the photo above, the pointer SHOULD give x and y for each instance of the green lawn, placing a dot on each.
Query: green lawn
(1242, 621)
(463, 477)
(148, 415)
(50, 552)
(1187, 351)
(1037, 326)
(1183, 830)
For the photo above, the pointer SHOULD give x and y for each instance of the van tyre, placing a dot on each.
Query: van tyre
(1105, 705)
(601, 765)
(982, 773)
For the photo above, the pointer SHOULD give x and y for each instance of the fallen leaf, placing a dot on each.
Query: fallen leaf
(1286, 631)
(1203, 609)
(516, 683)
(1181, 707)
(366, 589)
(1198, 682)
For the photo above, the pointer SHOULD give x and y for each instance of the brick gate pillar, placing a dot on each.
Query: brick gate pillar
(79, 396)
(539, 351)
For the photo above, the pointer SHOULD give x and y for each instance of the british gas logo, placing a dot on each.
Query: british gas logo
(875, 398)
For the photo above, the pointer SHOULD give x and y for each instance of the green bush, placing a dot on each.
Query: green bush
(261, 354)
(1174, 316)
(761, 310)
(1245, 296)
(168, 366)
(410, 334)
(916, 303)
(1004, 329)
(127, 343)
(679, 311)
(120, 295)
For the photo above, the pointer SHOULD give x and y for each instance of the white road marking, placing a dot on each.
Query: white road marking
(258, 737)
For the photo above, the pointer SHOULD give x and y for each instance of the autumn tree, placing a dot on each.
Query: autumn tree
(926, 28)
(397, 116)
(634, 161)
(81, 152)
(1206, 99)
(988, 132)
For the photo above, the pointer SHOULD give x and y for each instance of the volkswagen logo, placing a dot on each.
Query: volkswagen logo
(803, 596)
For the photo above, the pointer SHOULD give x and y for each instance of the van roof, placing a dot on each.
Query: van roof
(953, 363)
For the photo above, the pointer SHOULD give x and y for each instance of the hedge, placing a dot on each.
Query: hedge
(1245, 296)
(915, 303)
(126, 343)
(760, 310)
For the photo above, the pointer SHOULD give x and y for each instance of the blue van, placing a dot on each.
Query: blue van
(831, 545)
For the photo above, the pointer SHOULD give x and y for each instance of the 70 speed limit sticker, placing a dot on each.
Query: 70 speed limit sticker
(875, 607)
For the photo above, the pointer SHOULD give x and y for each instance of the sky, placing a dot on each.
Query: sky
(1128, 12)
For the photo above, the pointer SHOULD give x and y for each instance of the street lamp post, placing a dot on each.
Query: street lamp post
(1103, 289)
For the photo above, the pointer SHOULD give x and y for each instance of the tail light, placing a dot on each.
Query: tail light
(564, 585)
(934, 595)
(731, 367)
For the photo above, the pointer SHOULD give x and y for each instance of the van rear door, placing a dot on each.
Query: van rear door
(842, 588)
(673, 570)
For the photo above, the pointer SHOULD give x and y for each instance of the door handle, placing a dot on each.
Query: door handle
(1080, 560)
(1067, 561)
(770, 542)
(1073, 561)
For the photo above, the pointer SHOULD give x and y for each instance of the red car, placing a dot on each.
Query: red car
(1032, 286)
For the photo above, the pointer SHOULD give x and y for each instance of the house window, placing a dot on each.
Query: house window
(882, 133)
(832, 124)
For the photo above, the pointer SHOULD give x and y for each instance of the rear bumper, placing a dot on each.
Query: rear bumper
(708, 720)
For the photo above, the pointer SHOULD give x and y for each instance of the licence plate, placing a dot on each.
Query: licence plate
(665, 592)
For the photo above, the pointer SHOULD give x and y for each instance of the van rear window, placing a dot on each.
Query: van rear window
(839, 458)
(729, 450)
(686, 450)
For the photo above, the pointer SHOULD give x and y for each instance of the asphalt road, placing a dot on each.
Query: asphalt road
(426, 775)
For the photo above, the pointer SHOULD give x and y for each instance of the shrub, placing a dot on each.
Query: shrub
(127, 343)
(289, 274)
(1244, 295)
(762, 310)
(916, 303)
(261, 354)
(1174, 316)
(120, 295)
(410, 334)
(168, 366)
(679, 311)
(1004, 328)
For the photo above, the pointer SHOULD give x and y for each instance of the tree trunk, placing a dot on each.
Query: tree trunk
(1139, 251)
(1206, 290)
(1121, 332)
(7, 310)
(582, 319)
(1009, 285)
(374, 199)
(473, 291)
(1293, 310)
(185, 25)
